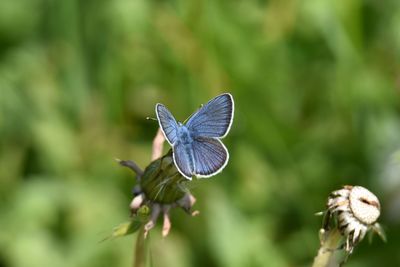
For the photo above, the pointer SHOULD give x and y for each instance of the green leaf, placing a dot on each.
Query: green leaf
(125, 229)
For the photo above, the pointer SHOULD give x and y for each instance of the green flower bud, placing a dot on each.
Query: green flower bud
(162, 182)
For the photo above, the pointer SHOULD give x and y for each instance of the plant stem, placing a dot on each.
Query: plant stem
(140, 247)
(140, 250)
(330, 241)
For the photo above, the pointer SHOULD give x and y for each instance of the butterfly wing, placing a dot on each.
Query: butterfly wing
(168, 124)
(183, 159)
(210, 156)
(214, 119)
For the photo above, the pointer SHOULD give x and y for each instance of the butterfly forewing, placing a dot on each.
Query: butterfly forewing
(167, 123)
(210, 156)
(183, 158)
(213, 119)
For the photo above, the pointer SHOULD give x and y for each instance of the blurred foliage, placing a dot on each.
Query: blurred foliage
(316, 87)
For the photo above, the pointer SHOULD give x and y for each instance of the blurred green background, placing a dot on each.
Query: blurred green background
(316, 85)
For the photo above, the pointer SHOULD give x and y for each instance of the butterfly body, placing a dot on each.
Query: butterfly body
(185, 140)
(196, 145)
(184, 135)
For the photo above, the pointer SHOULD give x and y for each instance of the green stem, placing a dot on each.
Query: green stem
(140, 250)
(329, 245)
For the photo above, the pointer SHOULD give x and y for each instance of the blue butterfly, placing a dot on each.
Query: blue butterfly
(196, 145)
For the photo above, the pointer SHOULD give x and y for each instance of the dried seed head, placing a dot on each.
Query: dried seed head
(364, 204)
(356, 210)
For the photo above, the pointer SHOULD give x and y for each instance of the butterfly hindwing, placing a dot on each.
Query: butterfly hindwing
(184, 159)
(214, 119)
(210, 156)
(168, 124)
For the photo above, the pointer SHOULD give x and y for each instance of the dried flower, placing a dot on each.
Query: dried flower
(351, 212)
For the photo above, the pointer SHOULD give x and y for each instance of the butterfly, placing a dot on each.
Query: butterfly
(196, 145)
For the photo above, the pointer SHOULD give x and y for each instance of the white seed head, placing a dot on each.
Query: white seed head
(364, 204)
(357, 211)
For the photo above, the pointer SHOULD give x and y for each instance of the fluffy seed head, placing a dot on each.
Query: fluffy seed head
(356, 210)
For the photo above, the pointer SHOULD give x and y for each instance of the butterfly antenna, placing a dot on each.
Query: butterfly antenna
(150, 118)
